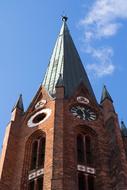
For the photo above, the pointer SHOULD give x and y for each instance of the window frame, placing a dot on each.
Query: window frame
(86, 163)
(27, 174)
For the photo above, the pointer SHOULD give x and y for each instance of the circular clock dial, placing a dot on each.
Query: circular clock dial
(40, 104)
(39, 117)
(84, 113)
(82, 100)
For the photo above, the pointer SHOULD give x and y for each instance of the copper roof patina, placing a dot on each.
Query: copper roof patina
(65, 62)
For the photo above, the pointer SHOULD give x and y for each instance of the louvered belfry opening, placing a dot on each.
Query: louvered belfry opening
(86, 171)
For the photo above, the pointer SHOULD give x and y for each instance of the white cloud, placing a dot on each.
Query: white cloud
(103, 21)
(103, 65)
(101, 69)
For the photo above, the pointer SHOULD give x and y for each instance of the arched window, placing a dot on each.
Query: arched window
(84, 150)
(34, 160)
(85, 163)
(35, 177)
(38, 153)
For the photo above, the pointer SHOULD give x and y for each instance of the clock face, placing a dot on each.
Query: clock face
(40, 104)
(83, 112)
(82, 100)
(39, 117)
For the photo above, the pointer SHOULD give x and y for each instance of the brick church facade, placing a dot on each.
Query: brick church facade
(65, 140)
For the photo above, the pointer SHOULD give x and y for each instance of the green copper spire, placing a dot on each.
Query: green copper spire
(19, 103)
(105, 95)
(65, 62)
(123, 129)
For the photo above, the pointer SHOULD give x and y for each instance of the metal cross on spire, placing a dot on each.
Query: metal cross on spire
(64, 18)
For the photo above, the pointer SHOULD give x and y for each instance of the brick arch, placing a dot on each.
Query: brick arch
(35, 135)
(86, 129)
(27, 156)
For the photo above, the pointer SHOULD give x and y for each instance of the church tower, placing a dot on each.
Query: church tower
(65, 140)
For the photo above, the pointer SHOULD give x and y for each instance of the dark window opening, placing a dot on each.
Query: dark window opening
(41, 155)
(34, 155)
(84, 150)
(86, 181)
(88, 150)
(80, 149)
(81, 182)
(38, 153)
(31, 185)
(90, 182)
(40, 183)
(39, 118)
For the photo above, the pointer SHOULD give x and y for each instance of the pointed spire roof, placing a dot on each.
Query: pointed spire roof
(19, 103)
(105, 95)
(123, 129)
(65, 60)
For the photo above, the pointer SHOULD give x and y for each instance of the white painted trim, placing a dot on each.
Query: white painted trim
(82, 100)
(45, 111)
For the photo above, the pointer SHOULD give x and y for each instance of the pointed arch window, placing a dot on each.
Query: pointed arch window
(85, 163)
(38, 153)
(35, 179)
(84, 150)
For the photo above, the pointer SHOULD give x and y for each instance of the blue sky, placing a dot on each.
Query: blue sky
(28, 30)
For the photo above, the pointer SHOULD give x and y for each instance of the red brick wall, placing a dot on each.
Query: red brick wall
(61, 129)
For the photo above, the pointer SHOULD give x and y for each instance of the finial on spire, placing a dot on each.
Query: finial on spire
(64, 18)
